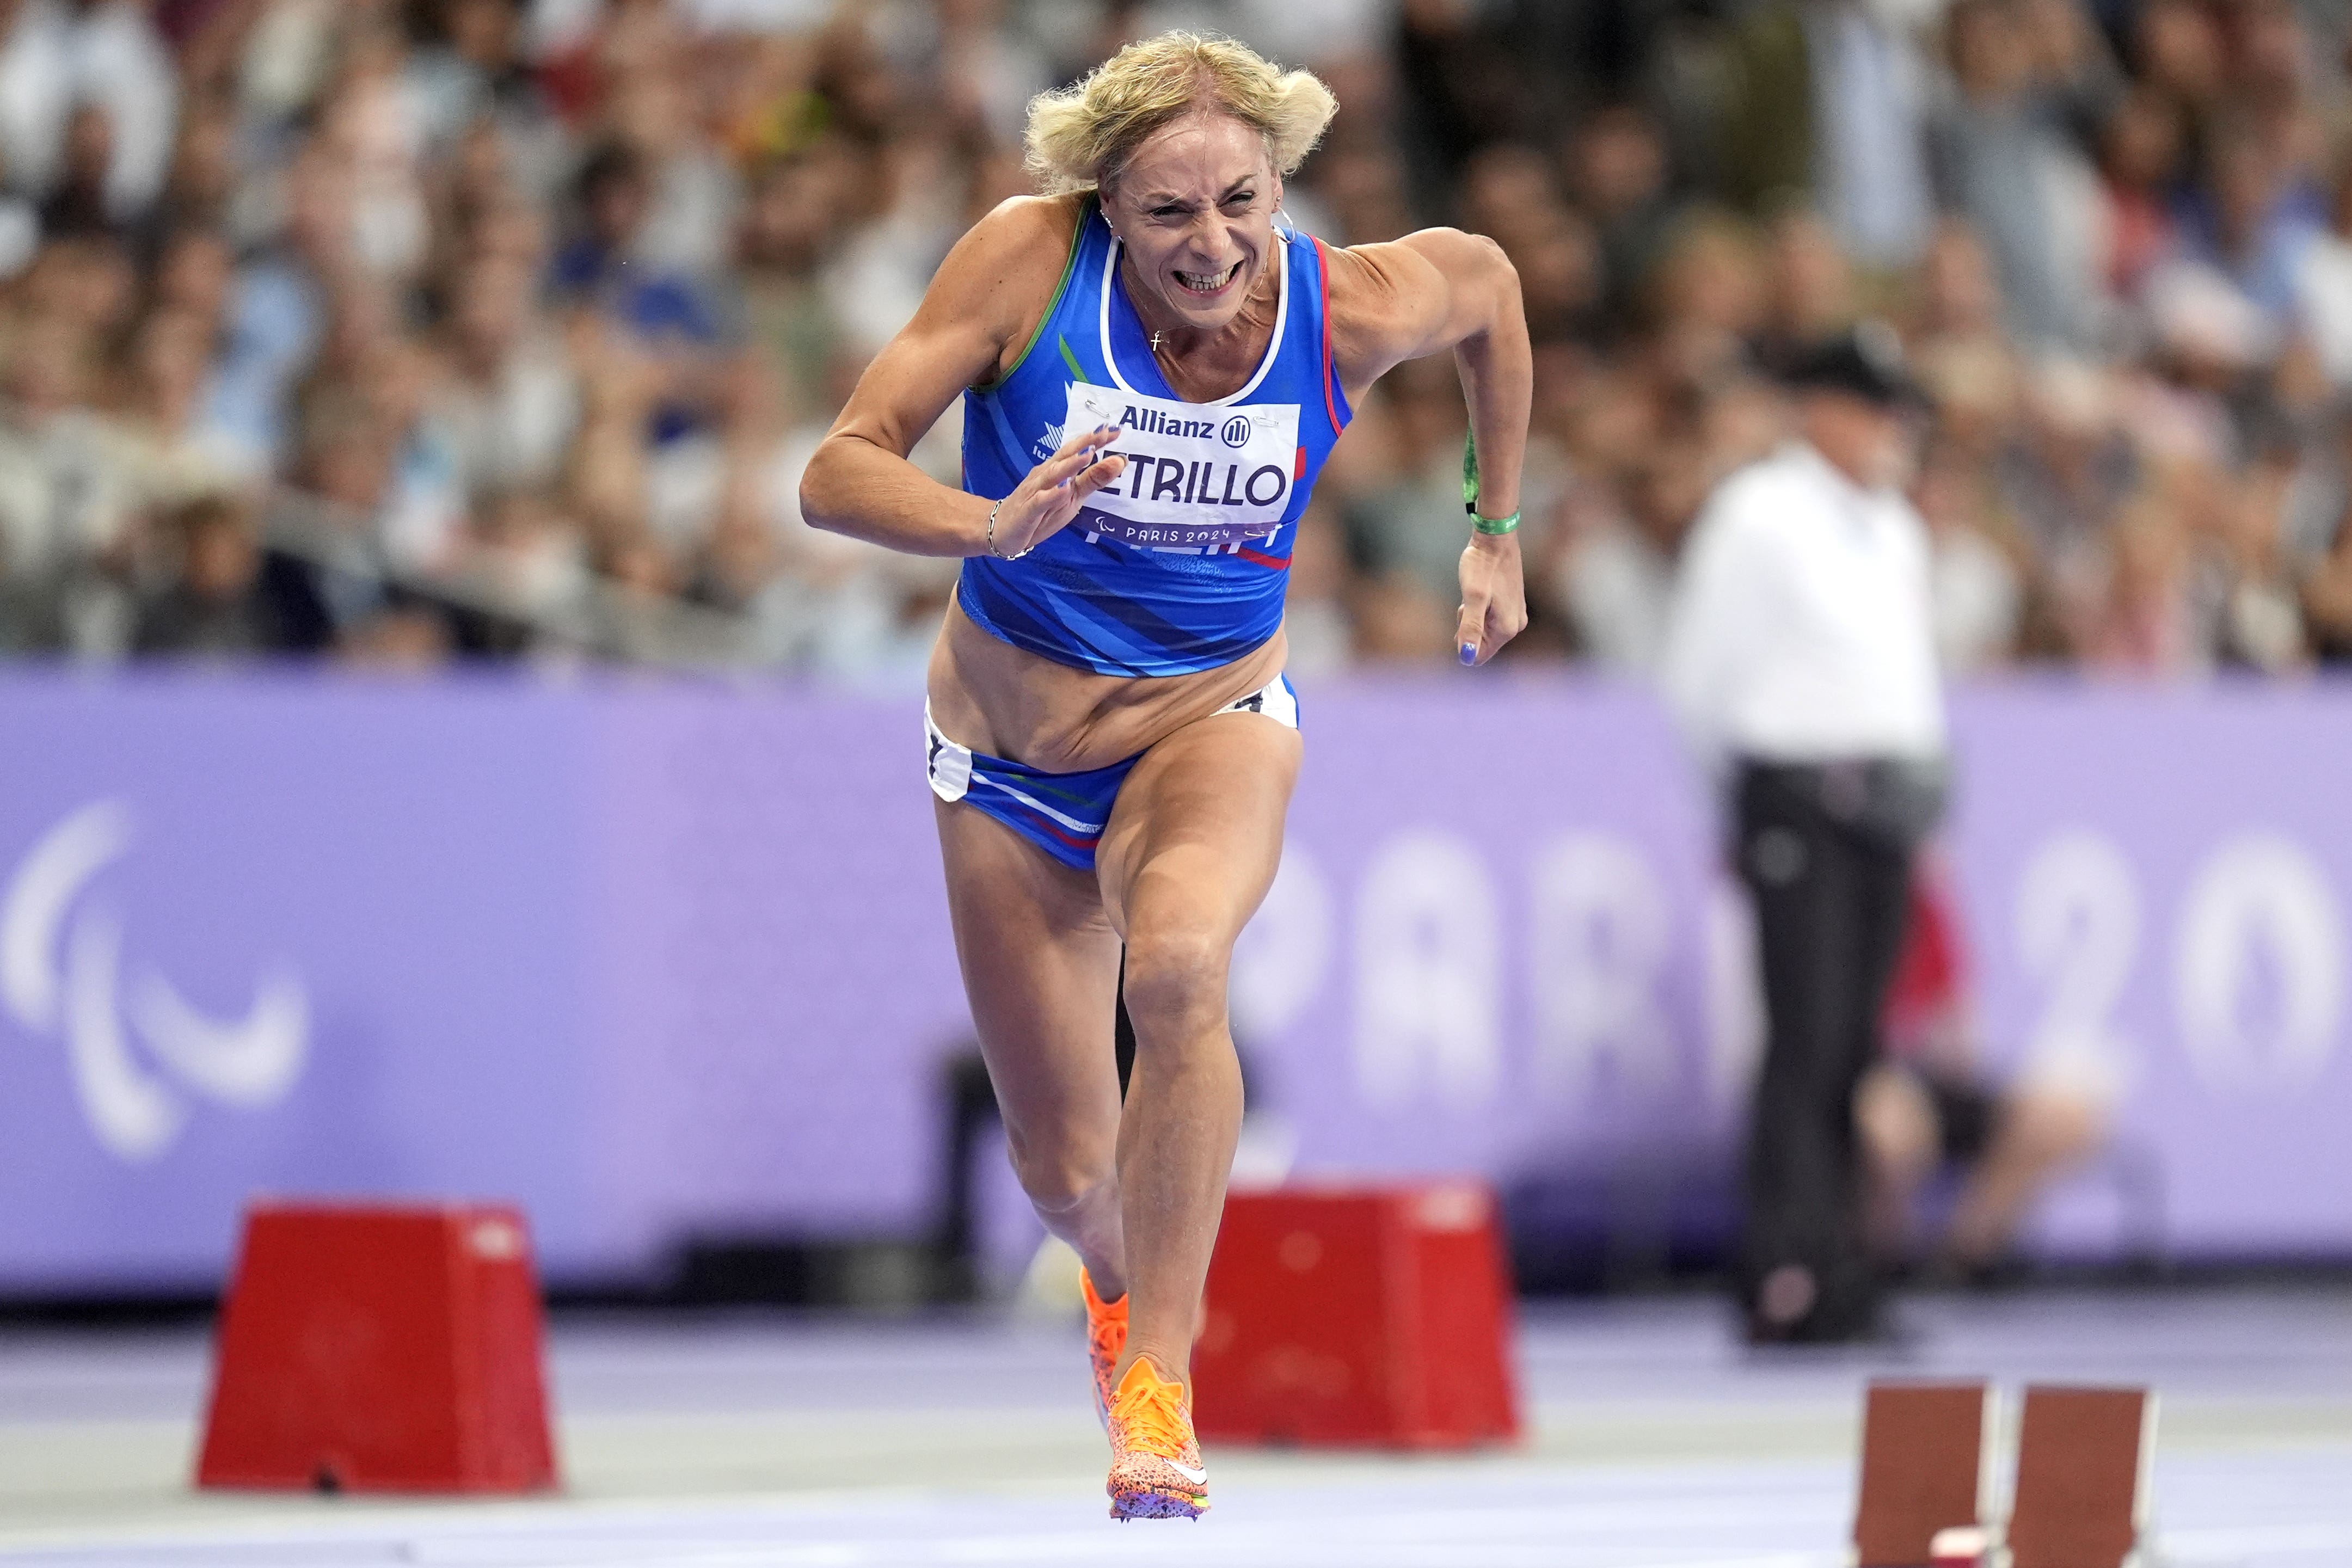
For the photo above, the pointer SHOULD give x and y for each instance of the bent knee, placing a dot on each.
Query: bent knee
(1176, 972)
(1060, 1180)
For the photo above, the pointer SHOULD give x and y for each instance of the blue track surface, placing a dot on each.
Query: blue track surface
(734, 1442)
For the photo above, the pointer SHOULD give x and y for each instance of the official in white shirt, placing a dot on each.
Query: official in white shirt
(1801, 664)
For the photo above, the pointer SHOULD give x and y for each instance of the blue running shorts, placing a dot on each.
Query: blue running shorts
(1062, 813)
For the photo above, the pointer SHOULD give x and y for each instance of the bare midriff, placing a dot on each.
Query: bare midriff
(1003, 701)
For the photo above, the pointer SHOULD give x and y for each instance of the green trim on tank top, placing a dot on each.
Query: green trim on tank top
(1069, 267)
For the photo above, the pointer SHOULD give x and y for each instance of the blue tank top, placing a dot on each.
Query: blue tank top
(1182, 563)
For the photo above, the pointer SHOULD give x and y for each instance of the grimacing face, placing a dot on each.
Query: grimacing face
(1195, 206)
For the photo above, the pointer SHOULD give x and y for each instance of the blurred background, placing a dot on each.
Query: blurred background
(484, 341)
(450, 329)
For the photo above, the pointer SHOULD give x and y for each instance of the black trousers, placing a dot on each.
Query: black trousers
(1828, 870)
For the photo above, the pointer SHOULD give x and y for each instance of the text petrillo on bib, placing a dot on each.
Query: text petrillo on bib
(1198, 476)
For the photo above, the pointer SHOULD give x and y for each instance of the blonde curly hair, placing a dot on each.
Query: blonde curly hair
(1081, 135)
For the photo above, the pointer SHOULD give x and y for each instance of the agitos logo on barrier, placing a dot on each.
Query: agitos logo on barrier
(61, 972)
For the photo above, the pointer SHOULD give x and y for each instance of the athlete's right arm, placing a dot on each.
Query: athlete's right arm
(986, 296)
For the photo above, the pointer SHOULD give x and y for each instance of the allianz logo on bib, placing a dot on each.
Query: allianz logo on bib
(1234, 432)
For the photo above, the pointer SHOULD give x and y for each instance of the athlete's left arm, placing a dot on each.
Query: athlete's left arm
(1422, 295)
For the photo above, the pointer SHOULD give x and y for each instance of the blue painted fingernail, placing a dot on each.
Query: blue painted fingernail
(1469, 652)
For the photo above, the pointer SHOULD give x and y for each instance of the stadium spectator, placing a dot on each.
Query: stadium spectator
(1618, 173)
(1977, 596)
(1829, 104)
(1618, 577)
(2140, 151)
(509, 399)
(214, 605)
(66, 503)
(613, 265)
(170, 455)
(2006, 162)
(1810, 290)
(79, 202)
(58, 61)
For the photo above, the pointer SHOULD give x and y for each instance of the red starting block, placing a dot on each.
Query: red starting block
(1923, 1473)
(1359, 1316)
(2084, 1457)
(372, 1348)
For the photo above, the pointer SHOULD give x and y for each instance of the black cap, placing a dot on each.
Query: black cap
(1864, 362)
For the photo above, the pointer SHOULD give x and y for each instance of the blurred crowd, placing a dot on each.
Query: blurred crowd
(416, 329)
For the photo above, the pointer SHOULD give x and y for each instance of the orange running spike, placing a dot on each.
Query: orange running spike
(1155, 1464)
(1106, 1339)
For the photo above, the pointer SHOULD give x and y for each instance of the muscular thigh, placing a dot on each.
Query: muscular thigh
(1194, 839)
(1040, 966)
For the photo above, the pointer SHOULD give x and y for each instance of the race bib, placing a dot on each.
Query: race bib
(1196, 476)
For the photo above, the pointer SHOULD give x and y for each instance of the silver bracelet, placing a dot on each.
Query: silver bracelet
(999, 555)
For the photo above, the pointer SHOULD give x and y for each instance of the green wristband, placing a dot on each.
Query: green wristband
(1470, 493)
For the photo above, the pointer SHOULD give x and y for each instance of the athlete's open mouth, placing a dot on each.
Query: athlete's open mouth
(1208, 282)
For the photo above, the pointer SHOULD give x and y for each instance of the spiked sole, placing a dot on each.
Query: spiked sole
(1126, 1505)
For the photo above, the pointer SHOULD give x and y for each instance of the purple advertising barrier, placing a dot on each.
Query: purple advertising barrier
(284, 935)
(2157, 881)
(642, 957)
(1501, 942)
(653, 958)
(777, 985)
(1487, 947)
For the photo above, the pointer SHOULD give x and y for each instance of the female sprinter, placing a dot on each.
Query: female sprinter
(1154, 366)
